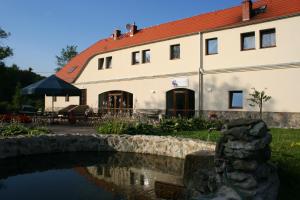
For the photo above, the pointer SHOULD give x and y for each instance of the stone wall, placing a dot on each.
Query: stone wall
(56, 143)
(241, 168)
(272, 119)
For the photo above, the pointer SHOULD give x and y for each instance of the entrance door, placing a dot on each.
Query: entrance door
(180, 102)
(115, 102)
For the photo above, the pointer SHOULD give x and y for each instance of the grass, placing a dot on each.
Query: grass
(285, 154)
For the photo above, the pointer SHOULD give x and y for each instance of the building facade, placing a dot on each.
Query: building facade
(206, 64)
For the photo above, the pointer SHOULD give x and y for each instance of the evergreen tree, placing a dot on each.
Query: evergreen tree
(66, 54)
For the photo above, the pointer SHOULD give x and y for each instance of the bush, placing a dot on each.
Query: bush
(125, 126)
(15, 129)
(115, 126)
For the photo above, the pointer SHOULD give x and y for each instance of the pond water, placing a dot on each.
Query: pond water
(82, 176)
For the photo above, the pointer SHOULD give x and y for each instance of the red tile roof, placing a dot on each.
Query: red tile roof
(200, 23)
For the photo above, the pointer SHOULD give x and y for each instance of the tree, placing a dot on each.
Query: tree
(66, 54)
(17, 98)
(5, 51)
(258, 98)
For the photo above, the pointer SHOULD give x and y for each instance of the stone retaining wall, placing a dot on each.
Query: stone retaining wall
(57, 143)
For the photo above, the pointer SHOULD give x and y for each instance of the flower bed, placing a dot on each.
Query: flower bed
(8, 118)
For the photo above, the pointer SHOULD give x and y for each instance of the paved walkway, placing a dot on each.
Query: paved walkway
(63, 129)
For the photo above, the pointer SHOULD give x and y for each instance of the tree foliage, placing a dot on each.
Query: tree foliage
(66, 54)
(5, 51)
(258, 98)
(12, 79)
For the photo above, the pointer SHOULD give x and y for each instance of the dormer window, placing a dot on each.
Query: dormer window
(71, 69)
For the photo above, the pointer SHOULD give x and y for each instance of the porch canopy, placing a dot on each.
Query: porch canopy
(51, 86)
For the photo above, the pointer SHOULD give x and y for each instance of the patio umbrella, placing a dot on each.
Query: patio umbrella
(51, 86)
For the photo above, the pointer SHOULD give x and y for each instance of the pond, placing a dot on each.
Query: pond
(91, 176)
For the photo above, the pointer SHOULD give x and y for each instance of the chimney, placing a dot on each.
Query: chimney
(133, 29)
(116, 34)
(246, 9)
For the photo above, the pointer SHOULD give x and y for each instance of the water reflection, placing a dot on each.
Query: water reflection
(138, 176)
(122, 175)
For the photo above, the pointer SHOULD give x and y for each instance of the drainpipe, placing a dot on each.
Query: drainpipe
(201, 73)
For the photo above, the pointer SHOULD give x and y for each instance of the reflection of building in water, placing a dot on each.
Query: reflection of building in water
(136, 183)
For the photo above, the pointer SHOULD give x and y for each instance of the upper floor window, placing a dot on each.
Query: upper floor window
(175, 51)
(108, 62)
(267, 38)
(212, 46)
(54, 98)
(146, 56)
(135, 58)
(248, 41)
(100, 63)
(236, 99)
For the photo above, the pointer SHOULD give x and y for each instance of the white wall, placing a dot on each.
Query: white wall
(60, 103)
(282, 85)
(230, 55)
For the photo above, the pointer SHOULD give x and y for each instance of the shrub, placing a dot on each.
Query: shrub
(14, 129)
(129, 126)
(114, 127)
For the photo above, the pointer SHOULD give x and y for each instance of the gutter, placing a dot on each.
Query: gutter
(201, 73)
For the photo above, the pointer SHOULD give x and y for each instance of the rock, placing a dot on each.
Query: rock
(226, 193)
(256, 144)
(259, 130)
(242, 122)
(245, 165)
(241, 161)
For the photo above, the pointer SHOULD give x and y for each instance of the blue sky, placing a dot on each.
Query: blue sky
(41, 28)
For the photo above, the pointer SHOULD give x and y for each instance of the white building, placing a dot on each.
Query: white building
(203, 64)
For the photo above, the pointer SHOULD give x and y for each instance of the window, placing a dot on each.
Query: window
(175, 51)
(267, 38)
(135, 58)
(54, 99)
(108, 62)
(212, 46)
(71, 69)
(67, 98)
(248, 41)
(146, 56)
(100, 63)
(236, 99)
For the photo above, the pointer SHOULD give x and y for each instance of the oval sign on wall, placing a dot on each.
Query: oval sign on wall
(180, 82)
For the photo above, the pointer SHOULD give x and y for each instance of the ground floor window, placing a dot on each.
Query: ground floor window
(236, 99)
(115, 102)
(180, 102)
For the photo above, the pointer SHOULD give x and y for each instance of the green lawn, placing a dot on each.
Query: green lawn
(285, 154)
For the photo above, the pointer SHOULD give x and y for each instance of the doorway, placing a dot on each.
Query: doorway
(180, 102)
(115, 102)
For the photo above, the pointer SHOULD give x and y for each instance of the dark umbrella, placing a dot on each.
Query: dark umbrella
(51, 86)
